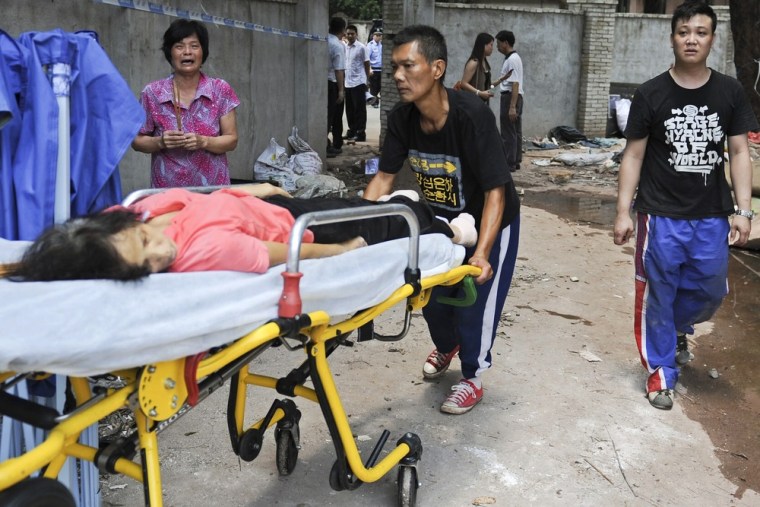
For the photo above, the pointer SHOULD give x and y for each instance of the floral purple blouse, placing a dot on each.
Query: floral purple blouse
(179, 167)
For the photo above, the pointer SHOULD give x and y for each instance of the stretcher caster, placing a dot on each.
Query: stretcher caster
(37, 492)
(407, 486)
(341, 478)
(250, 444)
(287, 436)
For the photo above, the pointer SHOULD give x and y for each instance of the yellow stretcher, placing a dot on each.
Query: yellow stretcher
(160, 393)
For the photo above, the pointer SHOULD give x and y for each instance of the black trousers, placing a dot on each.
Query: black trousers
(511, 133)
(373, 230)
(356, 109)
(374, 81)
(334, 115)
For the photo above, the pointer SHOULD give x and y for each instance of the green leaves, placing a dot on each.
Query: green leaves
(358, 9)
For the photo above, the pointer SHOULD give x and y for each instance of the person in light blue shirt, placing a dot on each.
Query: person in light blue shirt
(375, 48)
(336, 73)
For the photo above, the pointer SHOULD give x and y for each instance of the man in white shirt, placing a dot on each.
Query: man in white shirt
(357, 75)
(335, 85)
(512, 90)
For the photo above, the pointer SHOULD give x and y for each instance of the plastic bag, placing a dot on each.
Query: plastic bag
(582, 159)
(274, 166)
(622, 108)
(317, 185)
(274, 155)
(305, 160)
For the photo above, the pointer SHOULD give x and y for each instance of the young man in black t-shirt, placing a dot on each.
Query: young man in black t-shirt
(678, 125)
(451, 142)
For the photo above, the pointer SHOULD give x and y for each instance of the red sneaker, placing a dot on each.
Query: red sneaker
(465, 396)
(437, 363)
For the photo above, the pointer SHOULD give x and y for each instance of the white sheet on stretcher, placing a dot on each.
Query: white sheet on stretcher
(91, 327)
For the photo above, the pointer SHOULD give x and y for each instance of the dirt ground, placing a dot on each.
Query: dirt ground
(564, 420)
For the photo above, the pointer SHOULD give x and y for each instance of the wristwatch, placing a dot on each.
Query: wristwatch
(747, 213)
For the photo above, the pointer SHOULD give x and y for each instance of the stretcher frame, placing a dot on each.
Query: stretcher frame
(159, 394)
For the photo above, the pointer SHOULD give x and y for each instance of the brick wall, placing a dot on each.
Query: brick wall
(596, 63)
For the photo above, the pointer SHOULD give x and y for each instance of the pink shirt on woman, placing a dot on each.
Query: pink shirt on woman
(223, 230)
(179, 167)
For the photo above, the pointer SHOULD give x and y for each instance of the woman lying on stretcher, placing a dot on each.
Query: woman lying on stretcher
(245, 228)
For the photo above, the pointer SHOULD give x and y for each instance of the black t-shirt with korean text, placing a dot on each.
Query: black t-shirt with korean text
(456, 165)
(683, 172)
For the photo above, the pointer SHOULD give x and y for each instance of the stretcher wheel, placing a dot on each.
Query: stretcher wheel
(287, 452)
(250, 444)
(335, 482)
(37, 492)
(341, 477)
(407, 486)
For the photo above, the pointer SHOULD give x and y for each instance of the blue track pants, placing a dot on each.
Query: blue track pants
(473, 328)
(681, 280)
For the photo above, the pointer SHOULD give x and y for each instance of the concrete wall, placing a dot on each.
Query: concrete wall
(280, 80)
(551, 43)
(547, 41)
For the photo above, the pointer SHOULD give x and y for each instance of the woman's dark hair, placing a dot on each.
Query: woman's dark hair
(479, 49)
(688, 10)
(80, 249)
(181, 28)
(430, 42)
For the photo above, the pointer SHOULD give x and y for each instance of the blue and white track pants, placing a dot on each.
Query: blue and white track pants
(681, 280)
(473, 328)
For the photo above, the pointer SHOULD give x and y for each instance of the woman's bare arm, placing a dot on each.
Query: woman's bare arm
(469, 71)
(278, 252)
(262, 190)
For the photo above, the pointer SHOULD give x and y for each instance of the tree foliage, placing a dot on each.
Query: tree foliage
(745, 26)
(358, 9)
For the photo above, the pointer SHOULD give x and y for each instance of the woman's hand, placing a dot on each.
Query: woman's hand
(353, 244)
(195, 141)
(171, 139)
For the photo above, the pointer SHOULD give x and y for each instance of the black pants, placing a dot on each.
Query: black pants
(356, 110)
(374, 82)
(334, 115)
(511, 133)
(373, 230)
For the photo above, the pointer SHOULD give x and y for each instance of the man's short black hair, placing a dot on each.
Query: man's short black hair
(430, 42)
(506, 36)
(688, 10)
(337, 25)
